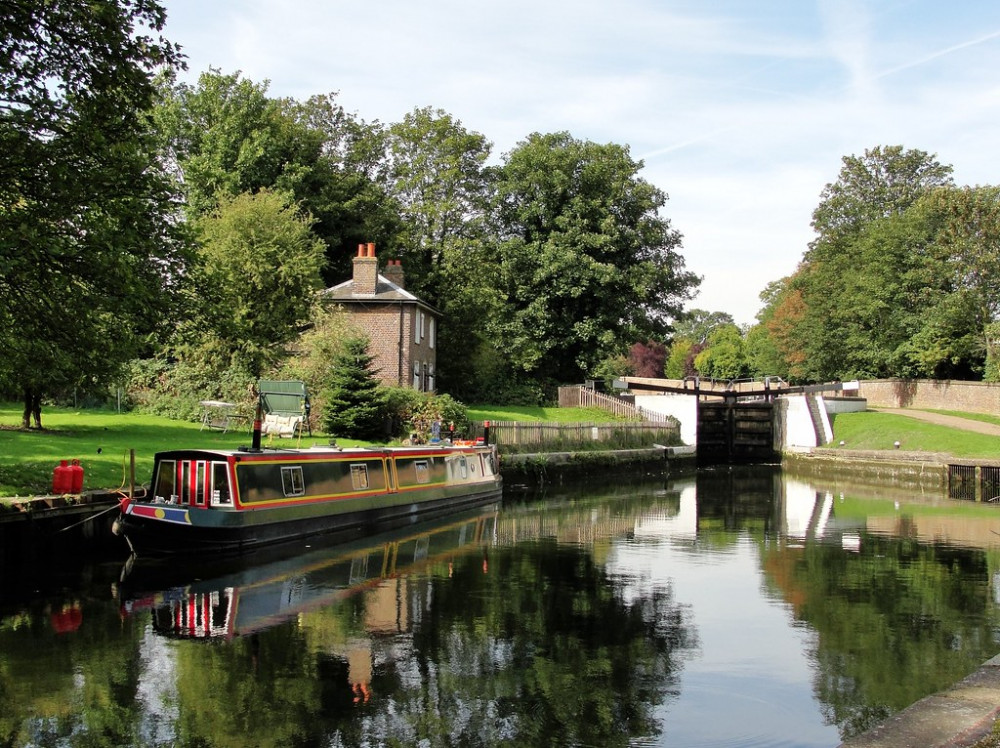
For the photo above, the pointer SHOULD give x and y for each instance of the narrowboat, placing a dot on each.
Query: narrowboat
(233, 501)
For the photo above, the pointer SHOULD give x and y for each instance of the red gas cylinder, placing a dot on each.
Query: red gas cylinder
(62, 480)
(76, 477)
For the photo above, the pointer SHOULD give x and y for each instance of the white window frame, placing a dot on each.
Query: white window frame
(216, 489)
(293, 482)
(359, 476)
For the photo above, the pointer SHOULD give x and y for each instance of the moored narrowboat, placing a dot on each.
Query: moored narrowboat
(233, 501)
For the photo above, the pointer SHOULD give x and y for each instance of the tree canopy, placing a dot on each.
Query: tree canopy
(584, 264)
(900, 281)
(89, 244)
(256, 283)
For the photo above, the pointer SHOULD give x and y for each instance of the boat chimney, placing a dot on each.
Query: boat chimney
(255, 443)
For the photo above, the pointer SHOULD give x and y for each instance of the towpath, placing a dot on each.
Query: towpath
(955, 422)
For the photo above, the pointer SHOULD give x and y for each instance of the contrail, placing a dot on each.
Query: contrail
(941, 53)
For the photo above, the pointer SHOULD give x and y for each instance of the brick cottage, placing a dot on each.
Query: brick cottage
(401, 327)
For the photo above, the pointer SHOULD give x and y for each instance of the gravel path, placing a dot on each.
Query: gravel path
(954, 422)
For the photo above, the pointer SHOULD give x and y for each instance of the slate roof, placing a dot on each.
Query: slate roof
(385, 291)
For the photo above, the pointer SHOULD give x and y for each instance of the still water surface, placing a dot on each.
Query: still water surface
(735, 607)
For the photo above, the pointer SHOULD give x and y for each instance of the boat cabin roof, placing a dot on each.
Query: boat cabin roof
(292, 452)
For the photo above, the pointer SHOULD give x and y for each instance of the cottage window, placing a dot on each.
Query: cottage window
(431, 332)
(430, 377)
(418, 327)
(292, 481)
(416, 375)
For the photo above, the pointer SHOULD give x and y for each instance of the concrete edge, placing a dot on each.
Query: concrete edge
(957, 717)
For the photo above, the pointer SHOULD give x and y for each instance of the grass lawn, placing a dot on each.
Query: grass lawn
(101, 440)
(528, 413)
(870, 430)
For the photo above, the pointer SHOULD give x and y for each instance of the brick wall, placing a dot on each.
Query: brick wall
(930, 394)
(390, 325)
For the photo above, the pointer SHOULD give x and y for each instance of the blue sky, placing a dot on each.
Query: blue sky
(741, 110)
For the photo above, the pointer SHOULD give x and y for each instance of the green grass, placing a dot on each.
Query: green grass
(101, 440)
(530, 413)
(879, 430)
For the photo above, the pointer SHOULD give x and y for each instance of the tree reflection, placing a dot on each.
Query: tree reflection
(895, 621)
(531, 644)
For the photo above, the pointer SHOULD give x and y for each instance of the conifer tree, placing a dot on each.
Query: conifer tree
(354, 398)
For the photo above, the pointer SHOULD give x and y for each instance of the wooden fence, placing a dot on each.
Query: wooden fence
(528, 436)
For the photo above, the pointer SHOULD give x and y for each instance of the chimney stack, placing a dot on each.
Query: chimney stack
(365, 270)
(394, 273)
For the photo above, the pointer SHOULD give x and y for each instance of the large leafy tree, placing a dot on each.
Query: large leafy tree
(885, 181)
(256, 284)
(88, 247)
(436, 175)
(438, 178)
(584, 263)
(854, 300)
(697, 324)
(226, 136)
(724, 356)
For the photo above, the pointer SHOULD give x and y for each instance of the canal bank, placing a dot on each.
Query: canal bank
(556, 468)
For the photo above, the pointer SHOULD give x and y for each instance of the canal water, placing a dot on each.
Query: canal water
(732, 607)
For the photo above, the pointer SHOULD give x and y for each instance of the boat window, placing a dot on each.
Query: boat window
(423, 472)
(359, 476)
(292, 481)
(199, 484)
(220, 484)
(463, 467)
(166, 482)
(185, 481)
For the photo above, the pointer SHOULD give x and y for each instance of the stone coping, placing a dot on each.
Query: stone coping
(958, 716)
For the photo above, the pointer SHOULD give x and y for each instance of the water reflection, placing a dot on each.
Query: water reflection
(733, 607)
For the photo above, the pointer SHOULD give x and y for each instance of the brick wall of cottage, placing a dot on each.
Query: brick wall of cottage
(381, 322)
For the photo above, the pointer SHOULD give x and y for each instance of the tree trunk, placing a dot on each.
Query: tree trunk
(32, 408)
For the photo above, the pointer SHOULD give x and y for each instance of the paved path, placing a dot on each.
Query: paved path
(941, 419)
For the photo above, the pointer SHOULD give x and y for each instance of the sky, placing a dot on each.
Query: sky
(741, 111)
